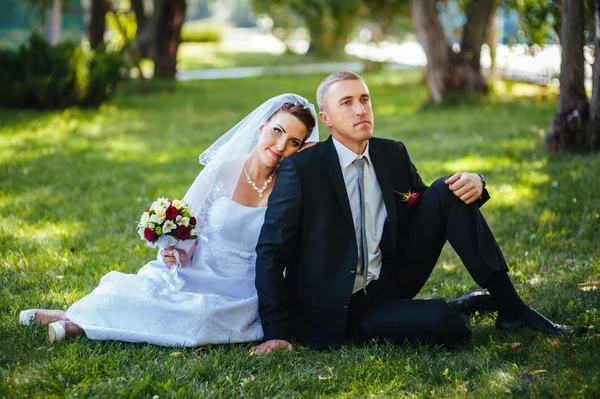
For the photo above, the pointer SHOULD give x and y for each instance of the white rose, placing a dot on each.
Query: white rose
(156, 219)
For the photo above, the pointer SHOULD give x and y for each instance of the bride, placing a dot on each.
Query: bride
(217, 302)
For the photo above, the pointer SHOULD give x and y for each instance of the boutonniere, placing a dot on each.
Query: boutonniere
(410, 197)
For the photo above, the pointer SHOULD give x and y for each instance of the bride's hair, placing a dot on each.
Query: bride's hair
(299, 111)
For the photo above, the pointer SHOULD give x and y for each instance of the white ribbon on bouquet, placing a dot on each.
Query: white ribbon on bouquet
(170, 275)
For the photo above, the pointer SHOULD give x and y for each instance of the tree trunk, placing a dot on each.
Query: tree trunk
(141, 20)
(54, 22)
(321, 38)
(97, 22)
(447, 72)
(570, 131)
(329, 26)
(492, 41)
(344, 24)
(595, 103)
(171, 14)
(477, 30)
(431, 36)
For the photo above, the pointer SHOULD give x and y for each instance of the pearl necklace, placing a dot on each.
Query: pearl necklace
(264, 187)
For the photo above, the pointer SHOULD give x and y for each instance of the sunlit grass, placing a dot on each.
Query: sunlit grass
(191, 56)
(73, 184)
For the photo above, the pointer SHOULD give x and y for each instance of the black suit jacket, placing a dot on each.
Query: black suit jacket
(309, 233)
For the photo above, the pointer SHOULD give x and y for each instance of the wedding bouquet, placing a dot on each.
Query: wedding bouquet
(166, 223)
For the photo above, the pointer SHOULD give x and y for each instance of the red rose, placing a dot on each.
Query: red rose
(193, 221)
(149, 234)
(412, 199)
(171, 213)
(182, 232)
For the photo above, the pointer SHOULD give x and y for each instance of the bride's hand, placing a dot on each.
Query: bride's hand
(169, 259)
(307, 145)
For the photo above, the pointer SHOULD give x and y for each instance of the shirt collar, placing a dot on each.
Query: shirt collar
(347, 156)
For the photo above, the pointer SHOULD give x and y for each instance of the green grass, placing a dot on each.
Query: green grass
(73, 183)
(210, 55)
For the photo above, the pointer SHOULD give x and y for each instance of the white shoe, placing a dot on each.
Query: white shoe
(56, 331)
(27, 317)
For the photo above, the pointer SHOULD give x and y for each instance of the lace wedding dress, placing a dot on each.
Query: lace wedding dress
(217, 304)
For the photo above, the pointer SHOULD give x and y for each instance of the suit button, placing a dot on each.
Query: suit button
(353, 270)
(345, 306)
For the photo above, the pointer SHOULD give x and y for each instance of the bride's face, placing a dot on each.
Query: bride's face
(280, 137)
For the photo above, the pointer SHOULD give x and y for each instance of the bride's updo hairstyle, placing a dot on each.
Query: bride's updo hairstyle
(299, 111)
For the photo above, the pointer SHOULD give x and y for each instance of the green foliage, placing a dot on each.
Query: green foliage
(39, 75)
(388, 18)
(329, 22)
(201, 31)
(541, 19)
(74, 183)
(210, 55)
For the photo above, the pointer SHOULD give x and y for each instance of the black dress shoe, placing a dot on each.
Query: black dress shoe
(474, 301)
(536, 321)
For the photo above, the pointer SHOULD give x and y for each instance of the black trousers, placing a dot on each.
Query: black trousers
(388, 310)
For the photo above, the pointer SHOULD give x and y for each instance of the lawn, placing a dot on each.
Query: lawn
(192, 56)
(210, 55)
(73, 184)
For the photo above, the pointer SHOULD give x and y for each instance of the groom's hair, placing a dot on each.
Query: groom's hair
(331, 79)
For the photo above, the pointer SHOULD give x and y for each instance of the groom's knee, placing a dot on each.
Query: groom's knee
(443, 191)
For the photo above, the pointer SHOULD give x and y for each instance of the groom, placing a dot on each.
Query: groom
(342, 252)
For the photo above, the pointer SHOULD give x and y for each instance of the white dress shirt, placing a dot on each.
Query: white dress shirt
(375, 212)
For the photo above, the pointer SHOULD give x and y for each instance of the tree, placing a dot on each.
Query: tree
(329, 22)
(141, 20)
(571, 130)
(449, 72)
(168, 16)
(97, 23)
(595, 103)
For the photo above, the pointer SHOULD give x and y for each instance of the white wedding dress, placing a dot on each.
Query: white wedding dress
(217, 304)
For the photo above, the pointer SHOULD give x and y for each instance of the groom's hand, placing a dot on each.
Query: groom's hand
(466, 186)
(270, 346)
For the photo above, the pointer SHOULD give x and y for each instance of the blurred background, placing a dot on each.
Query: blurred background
(462, 46)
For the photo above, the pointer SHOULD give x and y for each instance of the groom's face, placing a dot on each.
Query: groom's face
(348, 112)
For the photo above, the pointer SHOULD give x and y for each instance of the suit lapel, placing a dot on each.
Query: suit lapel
(337, 180)
(385, 182)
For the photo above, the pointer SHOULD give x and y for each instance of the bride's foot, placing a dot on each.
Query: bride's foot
(62, 329)
(41, 316)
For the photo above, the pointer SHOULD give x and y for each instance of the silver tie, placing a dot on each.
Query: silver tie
(363, 269)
